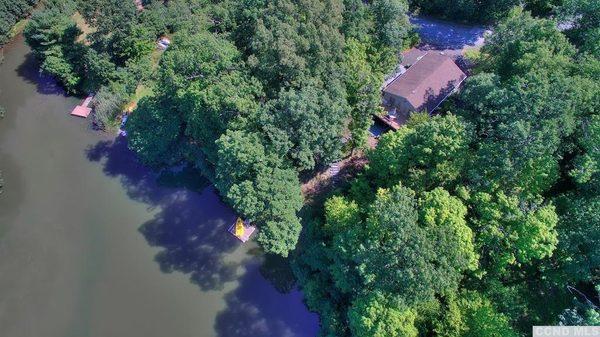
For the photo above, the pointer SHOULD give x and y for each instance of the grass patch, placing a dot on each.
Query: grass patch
(155, 56)
(83, 26)
(17, 28)
(140, 92)
(473, 55)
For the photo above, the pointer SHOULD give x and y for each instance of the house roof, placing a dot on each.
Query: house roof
(428, 81)
(411, 56)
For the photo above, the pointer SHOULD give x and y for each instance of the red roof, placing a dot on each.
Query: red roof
(428, 81)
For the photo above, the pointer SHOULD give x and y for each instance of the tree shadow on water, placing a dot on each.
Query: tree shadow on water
(45, 84)
(256, 309)
(190, 227)
(190, 230)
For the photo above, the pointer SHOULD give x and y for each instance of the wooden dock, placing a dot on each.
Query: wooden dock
(83, 110)
(243, 231)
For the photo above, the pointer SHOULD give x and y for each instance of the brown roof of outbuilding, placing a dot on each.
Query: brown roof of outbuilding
(428, 81)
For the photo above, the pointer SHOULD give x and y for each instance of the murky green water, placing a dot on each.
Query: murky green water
(90, 245)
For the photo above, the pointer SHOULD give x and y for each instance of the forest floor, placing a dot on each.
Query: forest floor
(332, 177)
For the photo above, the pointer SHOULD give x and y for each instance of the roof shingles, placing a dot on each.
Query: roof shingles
(428, 81)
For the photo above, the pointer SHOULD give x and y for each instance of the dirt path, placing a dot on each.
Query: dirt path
(333, 176)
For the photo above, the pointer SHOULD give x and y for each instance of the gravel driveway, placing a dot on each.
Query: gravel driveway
(445, 35)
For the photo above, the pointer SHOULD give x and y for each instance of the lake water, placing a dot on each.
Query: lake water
(91, 245)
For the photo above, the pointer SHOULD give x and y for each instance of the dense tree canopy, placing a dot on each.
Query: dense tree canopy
(374, 315)
(362, 89)
(522, 43)
(391, 22)
(512, 231)
(467, 10)
(472, 315)
(202, 78)
(423, 155)
(473, 222)
(11, 11)
(415, 254)
(297, 40)
(306, 125)
(583, 15)
(483, 11)
(496, 203)
(579, 237)
(407, 248)
(155, 132)
(52, 36)
(524, 106)
(261, 188)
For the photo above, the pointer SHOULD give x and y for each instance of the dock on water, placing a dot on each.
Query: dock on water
(241, 230)
(83, 110)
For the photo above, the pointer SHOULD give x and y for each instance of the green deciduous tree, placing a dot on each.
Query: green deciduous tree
(522, 43)
(307, 124)
(154, 132)
(362, 88)
(511, 231)
(297, 40)
(585, 30)
(99, 70)
(423, 155)
(359, 21)
(117, 29)
(203, 80)
(587, 164)
(261, 188)
(520, 126)
(12, 11)
(410, 252)
(466, 10)
(579, 236)
(375, 315)
(391, 23)
(472, 315)
(345, 226)
(51, 35)
(340, 215)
